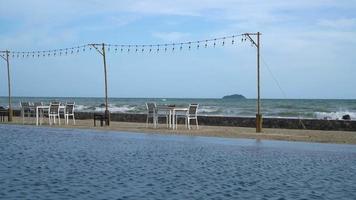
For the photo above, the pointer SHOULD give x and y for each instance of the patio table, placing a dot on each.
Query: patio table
(38, 108)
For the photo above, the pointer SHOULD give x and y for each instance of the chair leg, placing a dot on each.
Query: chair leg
(23, 116)
(176, 122)
(147, 121)
(167, 116)
(196, 121)
(187, 122)
(188, 119)
(73, 119)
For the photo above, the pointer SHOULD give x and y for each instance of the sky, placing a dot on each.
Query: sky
(307, 48)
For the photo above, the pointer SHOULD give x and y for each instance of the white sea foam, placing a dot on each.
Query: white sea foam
(207, 109)
(115, 109)
(81, 107)
(334, 115)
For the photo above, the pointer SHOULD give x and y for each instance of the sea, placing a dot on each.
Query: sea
(280, 108)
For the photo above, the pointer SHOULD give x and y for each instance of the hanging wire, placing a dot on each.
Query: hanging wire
(150, 47)
(274, 78)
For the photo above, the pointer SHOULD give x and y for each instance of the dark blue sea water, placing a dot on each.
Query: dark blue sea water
(296, 108)
(43, 163)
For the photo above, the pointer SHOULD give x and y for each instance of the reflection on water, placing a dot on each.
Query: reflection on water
(41, 163)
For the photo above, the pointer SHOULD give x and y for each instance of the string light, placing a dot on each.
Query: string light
(138, 47)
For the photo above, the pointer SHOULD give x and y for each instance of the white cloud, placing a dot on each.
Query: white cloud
(171, 36)
(338, 23)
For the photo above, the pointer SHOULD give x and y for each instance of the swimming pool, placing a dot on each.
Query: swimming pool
(51, 163)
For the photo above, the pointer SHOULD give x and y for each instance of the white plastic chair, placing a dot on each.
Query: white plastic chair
(53, 113)
(163, 111)
(41, 111)
(152, 113)
(69, 111)
(190, 114)
(26, 110)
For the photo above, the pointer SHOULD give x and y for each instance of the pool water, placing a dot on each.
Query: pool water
(51, 163)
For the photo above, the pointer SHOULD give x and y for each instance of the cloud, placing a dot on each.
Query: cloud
(171, 36)
(343, 23)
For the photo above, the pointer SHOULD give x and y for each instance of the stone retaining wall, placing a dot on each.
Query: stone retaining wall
(285, 123)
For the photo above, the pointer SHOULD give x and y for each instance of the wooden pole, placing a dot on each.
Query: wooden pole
(9, 85)
(107, 113)
(258, 115)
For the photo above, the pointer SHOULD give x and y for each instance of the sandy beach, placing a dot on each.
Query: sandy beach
(340, 137)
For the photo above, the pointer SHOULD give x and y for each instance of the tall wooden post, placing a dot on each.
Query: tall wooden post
(107, 112)
(259, 118)
(9, 85)
(102, 52)
(258, 115)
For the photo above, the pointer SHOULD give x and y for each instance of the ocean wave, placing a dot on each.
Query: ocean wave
(208, 109)
(112, 108)
(334, 115)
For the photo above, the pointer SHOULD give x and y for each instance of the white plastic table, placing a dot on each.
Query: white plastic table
(38, 108)
(174, 110)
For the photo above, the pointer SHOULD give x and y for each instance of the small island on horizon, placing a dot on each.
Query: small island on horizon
(234, 96)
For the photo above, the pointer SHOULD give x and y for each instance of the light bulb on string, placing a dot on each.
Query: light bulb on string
(189, 45)
(214, 43)
(181, 46)
(157, 48)
(165, 48)
(223, 43)
(173, 47)
(206, 44)
(198, 45)
(233, 40)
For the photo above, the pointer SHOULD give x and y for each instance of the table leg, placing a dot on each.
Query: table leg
(36, 116)
(174, 119)
(170, 119)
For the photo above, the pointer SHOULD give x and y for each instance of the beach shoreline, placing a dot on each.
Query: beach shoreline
(319, 136)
